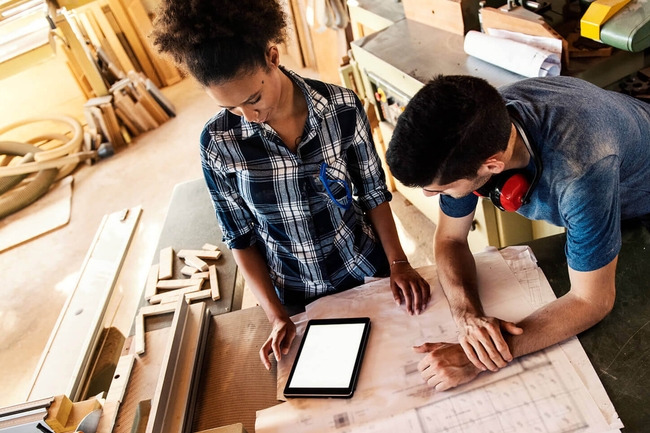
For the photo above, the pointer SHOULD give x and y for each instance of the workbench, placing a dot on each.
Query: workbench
(232, 384)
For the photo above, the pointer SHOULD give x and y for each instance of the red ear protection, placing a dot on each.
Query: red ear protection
(511, 189)
(507, 190)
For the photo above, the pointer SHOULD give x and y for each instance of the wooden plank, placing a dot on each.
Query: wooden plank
(80, 53)
(196, 262)
(210, 247)
(145, 98)
(139, 334)
(115, 394)
(126, 104)
(298, 8)
(86, 26)
(214, 283)
(169, 408)
(203, 275)
(165, 377)
(202, 254)
(160, 298)
(166, 71)
(111, 37)
(131, 126)
(176, 284)
(134, 40)
(139, 323)
(152, 280)
(189, 271)
(201, 294)
(65, 361)
(166, 263)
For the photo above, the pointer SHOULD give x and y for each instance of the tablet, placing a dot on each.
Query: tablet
(329, 358)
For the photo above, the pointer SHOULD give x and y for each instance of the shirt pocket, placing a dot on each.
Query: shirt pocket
(336, 179)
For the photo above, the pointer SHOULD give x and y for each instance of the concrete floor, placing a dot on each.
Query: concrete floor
(38, 276)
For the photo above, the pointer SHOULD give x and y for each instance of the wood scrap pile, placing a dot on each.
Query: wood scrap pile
(135, 105)
(163, 292)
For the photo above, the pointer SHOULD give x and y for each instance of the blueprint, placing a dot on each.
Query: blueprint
(538, 393)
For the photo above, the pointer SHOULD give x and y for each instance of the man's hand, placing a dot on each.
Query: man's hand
(408, 286)
(445, 365)
(279, 342)
(482, 340)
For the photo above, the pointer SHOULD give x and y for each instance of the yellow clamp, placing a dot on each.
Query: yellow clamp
(597, 14)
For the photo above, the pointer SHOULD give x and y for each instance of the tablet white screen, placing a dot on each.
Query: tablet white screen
(328, 356)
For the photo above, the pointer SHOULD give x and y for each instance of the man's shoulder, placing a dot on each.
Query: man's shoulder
(560, 84)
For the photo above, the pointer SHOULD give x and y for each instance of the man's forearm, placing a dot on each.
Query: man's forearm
(591, 297)
(553, 323)
(457, 274)
(255, 272)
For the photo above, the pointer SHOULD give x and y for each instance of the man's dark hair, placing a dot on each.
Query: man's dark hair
(449, 128)
(218, 40)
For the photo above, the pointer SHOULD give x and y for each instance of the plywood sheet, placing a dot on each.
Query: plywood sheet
(46, 214)
(231, 367)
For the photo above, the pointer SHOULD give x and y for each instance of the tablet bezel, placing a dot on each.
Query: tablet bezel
(331, 392)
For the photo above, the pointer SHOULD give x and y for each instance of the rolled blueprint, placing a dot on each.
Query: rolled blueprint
(519, 58)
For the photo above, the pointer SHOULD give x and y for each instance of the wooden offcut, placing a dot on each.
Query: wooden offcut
(160, 298)
(166, 262)
(209, 247)
(202, 254)
(194, 261)
(202, 275)
(176, 284)
(152, 280)
(193, 296)
(214, 283)
(189, 271)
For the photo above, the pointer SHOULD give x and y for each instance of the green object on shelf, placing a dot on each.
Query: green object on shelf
(629, 29)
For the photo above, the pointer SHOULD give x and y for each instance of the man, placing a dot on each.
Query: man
(586, 153)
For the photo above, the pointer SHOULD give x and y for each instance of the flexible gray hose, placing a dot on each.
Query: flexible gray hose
(41, 183)
(6, 183)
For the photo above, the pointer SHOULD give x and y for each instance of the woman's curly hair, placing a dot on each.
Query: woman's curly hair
(215, 40)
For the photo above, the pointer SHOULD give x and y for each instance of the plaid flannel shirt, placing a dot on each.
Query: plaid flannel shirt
(264, 194)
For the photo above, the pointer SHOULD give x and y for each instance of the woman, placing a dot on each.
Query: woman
(282, 160)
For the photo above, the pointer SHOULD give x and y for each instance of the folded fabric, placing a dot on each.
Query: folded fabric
(516, 57)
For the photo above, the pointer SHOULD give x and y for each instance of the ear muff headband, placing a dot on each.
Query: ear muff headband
(516, 120)
(511, 189)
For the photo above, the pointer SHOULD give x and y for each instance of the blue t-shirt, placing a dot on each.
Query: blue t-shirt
(594, 146)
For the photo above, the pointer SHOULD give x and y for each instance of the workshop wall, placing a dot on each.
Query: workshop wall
(47, 88)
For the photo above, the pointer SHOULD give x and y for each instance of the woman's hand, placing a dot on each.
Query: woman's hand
(408, 286)
(279, 342)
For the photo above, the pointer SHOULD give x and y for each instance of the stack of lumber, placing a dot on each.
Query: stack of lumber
(134, 105)
(114, 34)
